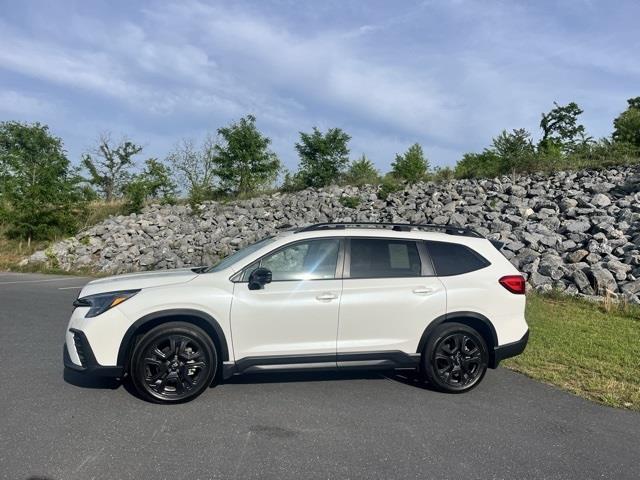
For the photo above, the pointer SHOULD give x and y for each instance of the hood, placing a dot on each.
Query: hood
(135, 281)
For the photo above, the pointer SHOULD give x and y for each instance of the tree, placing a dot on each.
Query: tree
(323, 157)
(412, 166)
(362, 172)
(40, 195)
(560, 127)
(154, 182)
(475, 165)
(627, 124)
(195, 168)
(109, 165)
(515, 150)
(243, 161)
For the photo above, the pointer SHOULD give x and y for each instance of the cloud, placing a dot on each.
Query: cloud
(447, 75)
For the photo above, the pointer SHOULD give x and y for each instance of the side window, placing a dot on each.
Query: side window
(454, 259)
(312, 260)
(384, 258)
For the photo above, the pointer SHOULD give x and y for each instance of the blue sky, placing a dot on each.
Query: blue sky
(449, 75)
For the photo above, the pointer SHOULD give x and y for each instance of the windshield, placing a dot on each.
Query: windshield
(239, 255)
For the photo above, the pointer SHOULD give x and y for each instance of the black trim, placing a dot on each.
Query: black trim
(452, 316)
(90, 365)
(386, 360)
(172, 314)
(399, 227)
(509, 350)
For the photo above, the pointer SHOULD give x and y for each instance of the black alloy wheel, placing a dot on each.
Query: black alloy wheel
(455, 358)
(173, 363)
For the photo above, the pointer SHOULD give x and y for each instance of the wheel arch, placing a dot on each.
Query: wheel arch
(196, 317)
(475, 320)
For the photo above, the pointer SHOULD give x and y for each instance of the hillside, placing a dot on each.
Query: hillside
(577, 232)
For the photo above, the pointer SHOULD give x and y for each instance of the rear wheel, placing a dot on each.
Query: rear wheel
(172, 363)
(455, 358)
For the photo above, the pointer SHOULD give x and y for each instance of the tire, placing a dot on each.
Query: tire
(173, 363)
(455, 358)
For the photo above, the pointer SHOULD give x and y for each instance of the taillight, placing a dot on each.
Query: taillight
(513, 283)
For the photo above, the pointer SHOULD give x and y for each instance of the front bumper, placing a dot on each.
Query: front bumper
(508, 350)
(88, 363)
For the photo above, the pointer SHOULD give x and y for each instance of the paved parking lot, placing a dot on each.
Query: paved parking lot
(322, 425)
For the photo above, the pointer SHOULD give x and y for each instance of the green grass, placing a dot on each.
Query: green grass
(589, 349)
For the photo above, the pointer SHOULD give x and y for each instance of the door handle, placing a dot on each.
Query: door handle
(423, 290)
(326, 296)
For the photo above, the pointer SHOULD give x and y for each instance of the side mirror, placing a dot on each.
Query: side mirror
(259, 278)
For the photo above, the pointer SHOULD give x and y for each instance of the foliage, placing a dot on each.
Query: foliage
(627, 124)
(477, 165)
(292, 182)
(389, 185)
(323, 157)
(195, 168)
(362, 172)
(243, 161)
(515, 150)
(349, 202)
(566, 332)
(560, 127)
(412, 166)
(40, 196)
(109, 165)
(154, 182)
(442, 174)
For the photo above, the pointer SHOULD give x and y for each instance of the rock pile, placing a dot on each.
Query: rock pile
(578, 232)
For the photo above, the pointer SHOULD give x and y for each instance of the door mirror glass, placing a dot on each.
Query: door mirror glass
(259, 278)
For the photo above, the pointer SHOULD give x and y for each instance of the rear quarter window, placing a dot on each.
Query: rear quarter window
(454, 259)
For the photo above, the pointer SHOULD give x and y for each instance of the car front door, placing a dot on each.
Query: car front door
(294, 318)
(389, 296)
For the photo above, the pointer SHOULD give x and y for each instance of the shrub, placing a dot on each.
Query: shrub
(412, 166)
(349, 202)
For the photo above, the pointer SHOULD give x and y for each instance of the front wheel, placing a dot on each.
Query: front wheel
(174, 362)
(455, 358)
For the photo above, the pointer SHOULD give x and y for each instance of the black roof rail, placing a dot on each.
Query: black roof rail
(402, 227)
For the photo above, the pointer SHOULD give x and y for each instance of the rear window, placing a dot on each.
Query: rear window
(371, 258)
(454, 259)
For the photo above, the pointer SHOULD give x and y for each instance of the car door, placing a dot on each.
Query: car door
(294, 318)
(389, 296)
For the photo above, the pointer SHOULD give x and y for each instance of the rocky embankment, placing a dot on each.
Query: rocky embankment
(578, 232)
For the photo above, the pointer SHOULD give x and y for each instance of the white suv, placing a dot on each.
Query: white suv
(439, 299)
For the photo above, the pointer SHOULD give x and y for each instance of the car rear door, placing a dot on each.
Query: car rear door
(389, 296)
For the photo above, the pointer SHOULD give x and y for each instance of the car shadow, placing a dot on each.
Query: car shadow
(87, 381)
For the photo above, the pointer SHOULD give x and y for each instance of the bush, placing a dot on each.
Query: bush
(362, 172)
(349, 202)
(388, 186)
(412, 166)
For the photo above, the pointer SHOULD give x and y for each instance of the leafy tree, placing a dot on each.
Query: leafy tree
(154, 182)
(627, 124)
(243, 161)
(323, 157)
(515, 149)
(412, 166)
(40, 195)
(560, 127)
(362, 172)
(109, 165)
(475, 165)
(195, 168)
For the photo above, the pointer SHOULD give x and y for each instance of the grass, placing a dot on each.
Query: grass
(588, 349)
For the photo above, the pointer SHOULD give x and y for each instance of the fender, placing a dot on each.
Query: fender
(210, 325)
(447, 317)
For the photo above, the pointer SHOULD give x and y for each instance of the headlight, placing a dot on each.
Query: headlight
(102, 302)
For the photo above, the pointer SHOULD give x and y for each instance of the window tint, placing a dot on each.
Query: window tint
(312, 260)
(384, 258)
(454, 259)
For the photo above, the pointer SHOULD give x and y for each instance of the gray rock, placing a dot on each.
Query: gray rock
(601, 200)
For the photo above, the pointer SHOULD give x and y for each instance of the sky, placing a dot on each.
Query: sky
(449, 75)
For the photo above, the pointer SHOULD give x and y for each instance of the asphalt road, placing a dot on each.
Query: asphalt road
(284, 426)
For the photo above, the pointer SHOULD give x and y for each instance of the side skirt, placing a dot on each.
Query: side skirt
(387, 360)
